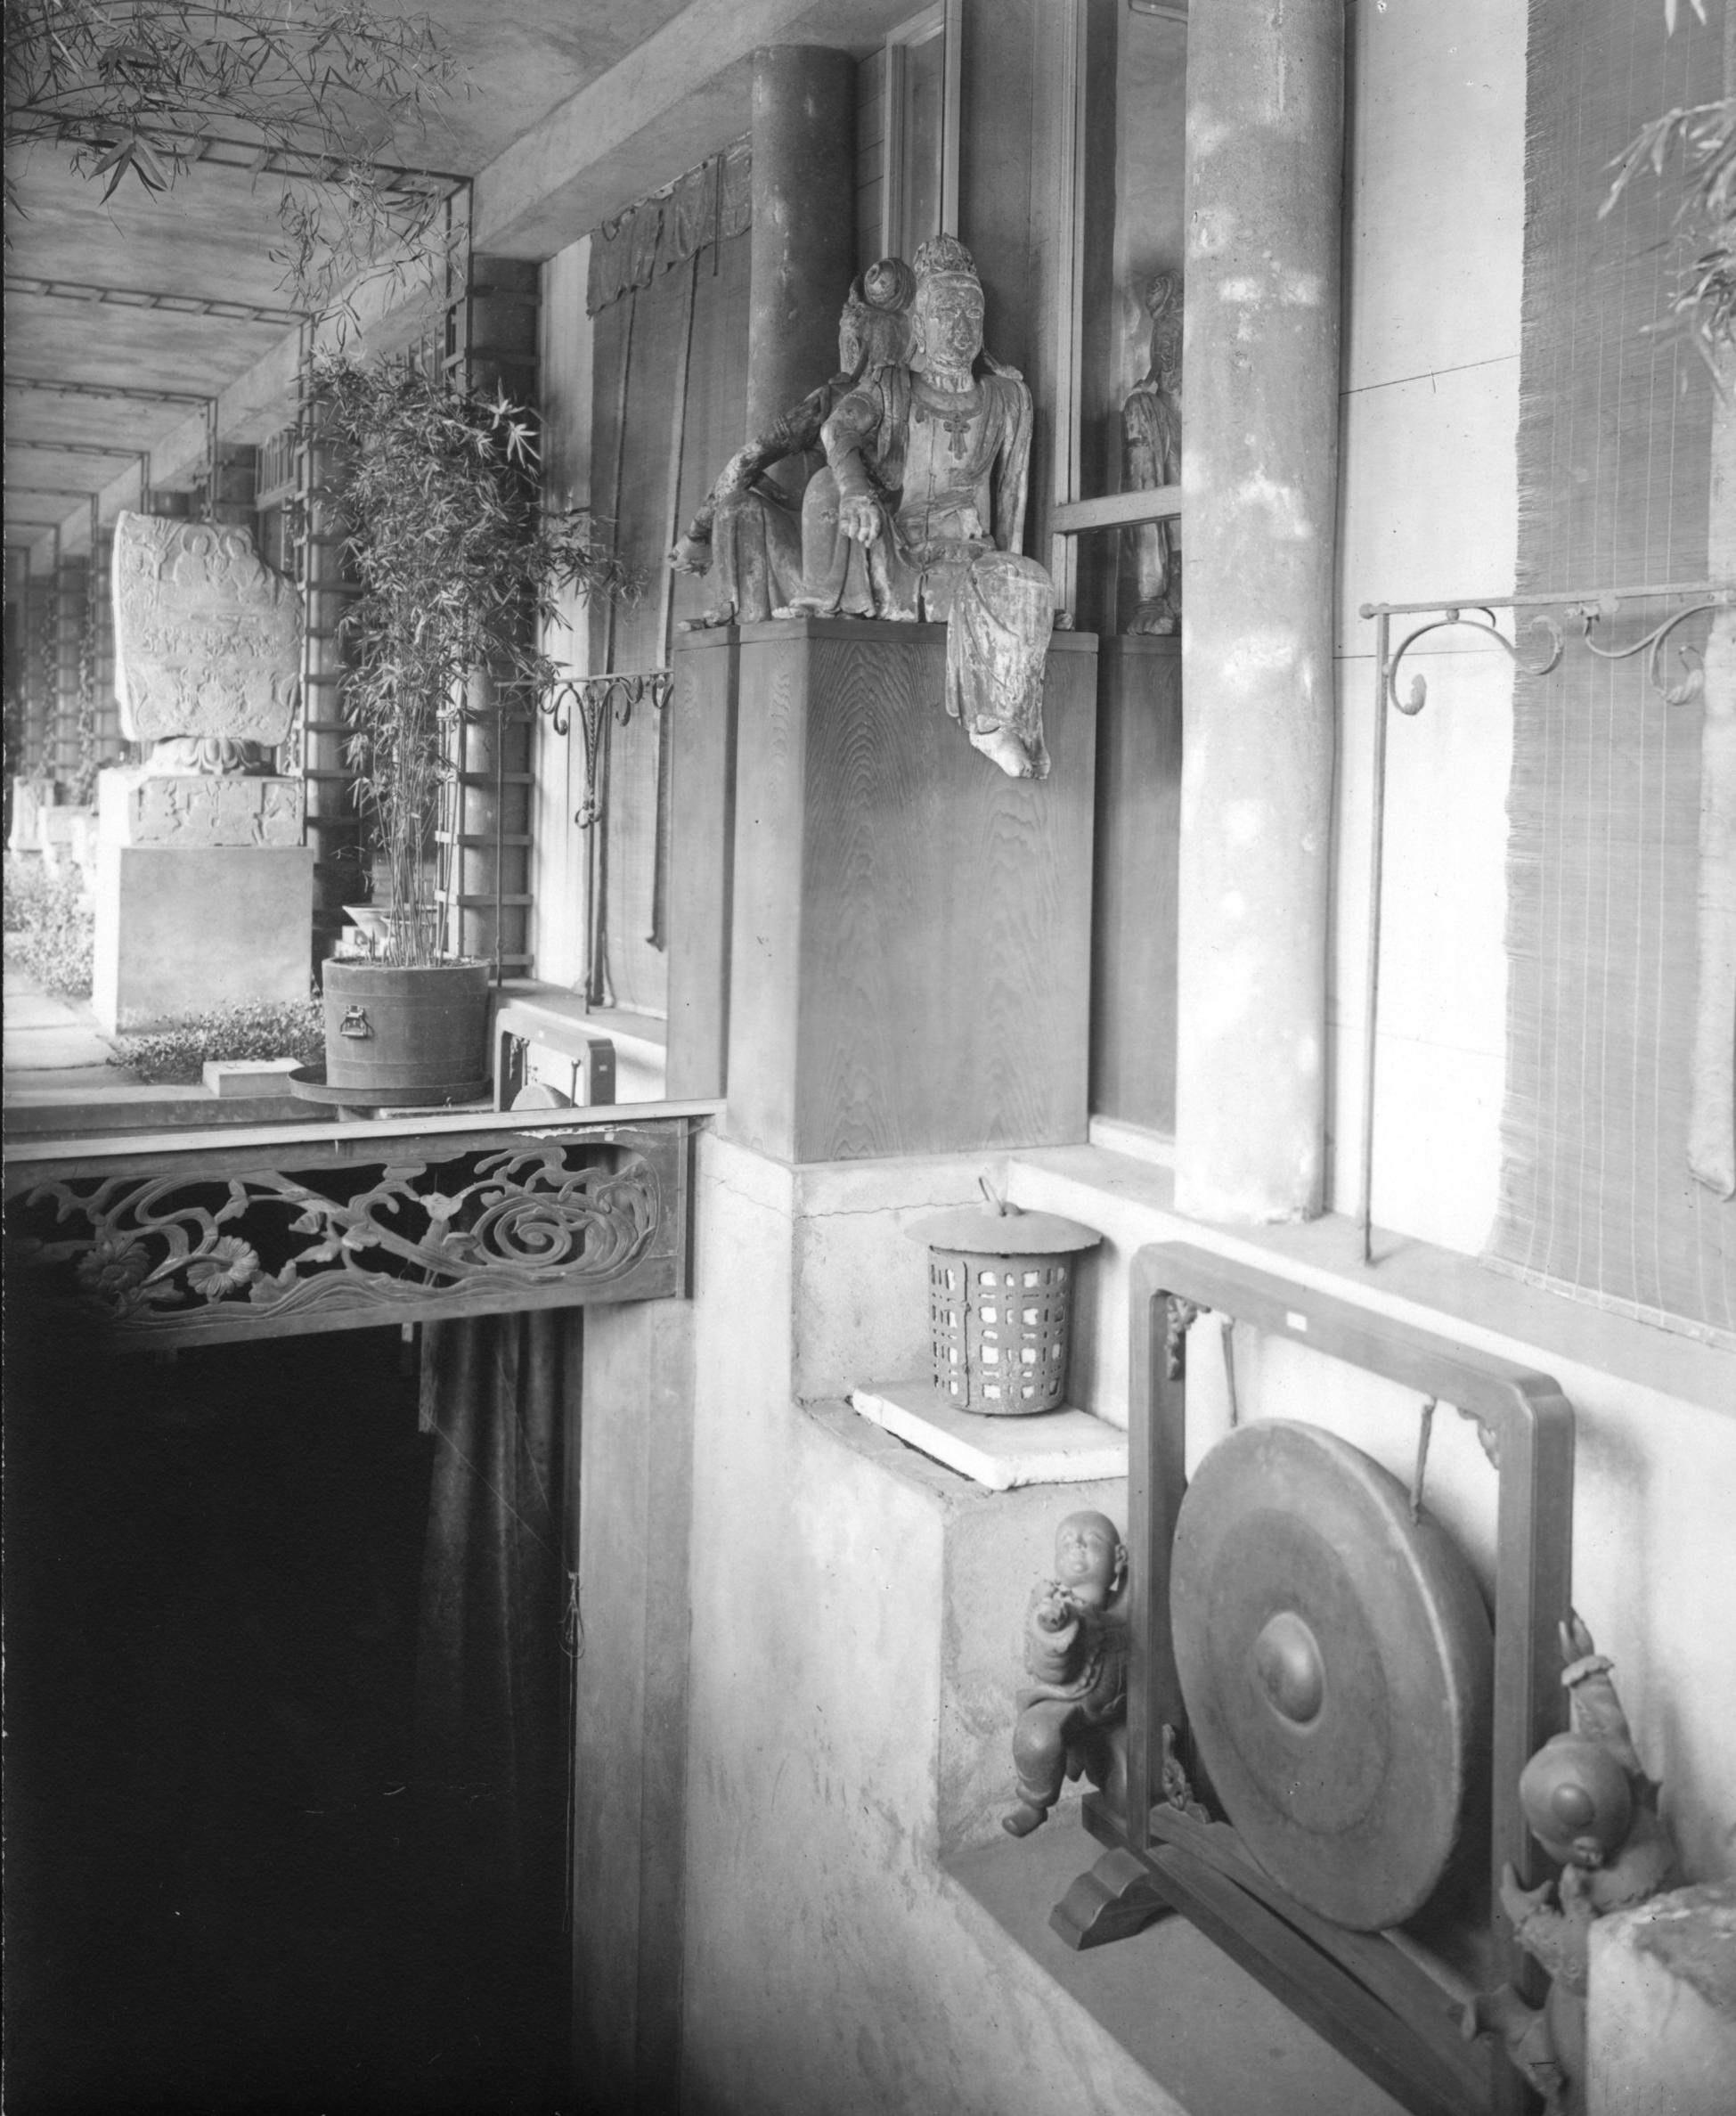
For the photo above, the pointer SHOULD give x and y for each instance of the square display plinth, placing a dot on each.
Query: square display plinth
(910, 944)
(180, 930)
(1048, 1447)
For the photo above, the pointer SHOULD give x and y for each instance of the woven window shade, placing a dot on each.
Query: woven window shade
(1614, 450)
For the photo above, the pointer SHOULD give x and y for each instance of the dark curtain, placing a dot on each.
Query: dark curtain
(492, 1702)
(491, 1671)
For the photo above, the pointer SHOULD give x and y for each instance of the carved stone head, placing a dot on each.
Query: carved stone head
(876, 328)
(1090, 1559)
(948, 306)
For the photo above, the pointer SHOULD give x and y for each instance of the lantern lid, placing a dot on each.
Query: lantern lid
(1004, 1230)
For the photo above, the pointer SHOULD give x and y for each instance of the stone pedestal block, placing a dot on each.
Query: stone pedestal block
(195, 809)
(181, 930)
(1133, 978)
(702, 799)
(1660, 2019)
(911, 931)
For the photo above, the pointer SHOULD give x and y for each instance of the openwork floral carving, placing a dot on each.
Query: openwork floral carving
(177, 1254)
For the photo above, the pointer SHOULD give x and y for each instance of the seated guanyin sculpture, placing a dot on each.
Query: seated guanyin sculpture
(748, 528)
(920, 514)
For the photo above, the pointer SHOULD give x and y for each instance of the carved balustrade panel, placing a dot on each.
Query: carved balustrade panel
(217, 1243)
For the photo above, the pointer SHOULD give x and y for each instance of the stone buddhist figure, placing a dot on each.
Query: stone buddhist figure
(1150, 457)
(1075, 1651)
(748, 528)
(208, 645)
(922, 514)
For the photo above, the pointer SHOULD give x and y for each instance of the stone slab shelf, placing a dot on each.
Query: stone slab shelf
(1050, 1447)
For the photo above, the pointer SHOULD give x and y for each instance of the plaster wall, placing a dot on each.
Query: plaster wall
(1428, 506)
(840, 1733)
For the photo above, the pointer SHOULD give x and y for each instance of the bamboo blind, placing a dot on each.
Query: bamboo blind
(1614, 449)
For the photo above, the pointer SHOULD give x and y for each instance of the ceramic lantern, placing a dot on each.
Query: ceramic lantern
(1000, 1293)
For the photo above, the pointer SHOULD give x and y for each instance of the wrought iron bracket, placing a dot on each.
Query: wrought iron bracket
(1585, 609)
(594, 699)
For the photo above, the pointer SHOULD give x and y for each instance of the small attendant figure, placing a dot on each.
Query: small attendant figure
(1075, 1649)
(1592, 1807)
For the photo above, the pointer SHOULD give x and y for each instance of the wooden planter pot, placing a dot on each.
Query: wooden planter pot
(406, 1033)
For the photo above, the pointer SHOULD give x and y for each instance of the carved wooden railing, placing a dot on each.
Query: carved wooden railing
(336, 1228)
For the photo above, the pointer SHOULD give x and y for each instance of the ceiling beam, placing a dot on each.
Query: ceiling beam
(130, 391)
(19, 283)
(678, 96)
(115, 448)
(306, 165)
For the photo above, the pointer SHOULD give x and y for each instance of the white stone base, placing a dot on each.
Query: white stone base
(1051, 1447)
(180, 931)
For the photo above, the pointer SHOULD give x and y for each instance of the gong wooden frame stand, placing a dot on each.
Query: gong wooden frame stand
(1377, 1996)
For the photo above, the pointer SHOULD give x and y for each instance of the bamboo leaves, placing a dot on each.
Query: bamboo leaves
(459, 564)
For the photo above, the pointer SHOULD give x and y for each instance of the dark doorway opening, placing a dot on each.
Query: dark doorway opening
(233, 1885)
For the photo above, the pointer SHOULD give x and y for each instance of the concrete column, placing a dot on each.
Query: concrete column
(1259, 470)
(804, 224)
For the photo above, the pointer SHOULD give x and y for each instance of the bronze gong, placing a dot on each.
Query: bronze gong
(1336, 1663)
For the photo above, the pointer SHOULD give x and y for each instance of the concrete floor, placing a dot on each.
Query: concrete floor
(1196, 2021)
(53, 1041)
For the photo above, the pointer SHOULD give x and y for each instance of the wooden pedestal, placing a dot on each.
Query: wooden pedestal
(911, 931)
(1133, 967)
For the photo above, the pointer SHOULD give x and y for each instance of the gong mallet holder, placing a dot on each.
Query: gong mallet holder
(1379, 1997)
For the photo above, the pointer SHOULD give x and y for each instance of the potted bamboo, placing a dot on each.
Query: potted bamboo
(457, 564)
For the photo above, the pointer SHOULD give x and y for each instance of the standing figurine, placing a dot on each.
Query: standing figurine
(746, 524)
(1592, 1807)
(1150, 457)
(1075, 1648)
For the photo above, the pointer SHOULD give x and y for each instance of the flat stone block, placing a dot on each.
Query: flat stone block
(198, 808)
(61, 826)
(1051, 1447)
(239, 1080)
(181, 930)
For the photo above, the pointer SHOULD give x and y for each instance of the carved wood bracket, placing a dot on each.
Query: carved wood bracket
(217, 1243)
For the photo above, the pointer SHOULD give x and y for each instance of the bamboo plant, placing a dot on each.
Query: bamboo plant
(458, 564)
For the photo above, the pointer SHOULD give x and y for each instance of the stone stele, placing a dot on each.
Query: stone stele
(207, 637)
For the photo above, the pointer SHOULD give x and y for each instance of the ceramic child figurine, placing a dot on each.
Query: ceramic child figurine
(1075, 1649)
(1591, 1806)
